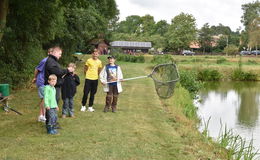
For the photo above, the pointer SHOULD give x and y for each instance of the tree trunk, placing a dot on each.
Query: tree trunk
(3, 14)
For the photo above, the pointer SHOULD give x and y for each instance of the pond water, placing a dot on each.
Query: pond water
(234, 104)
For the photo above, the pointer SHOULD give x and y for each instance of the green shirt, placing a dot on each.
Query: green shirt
(50, 97)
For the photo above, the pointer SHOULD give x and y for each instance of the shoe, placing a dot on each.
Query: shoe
(91, 109)
(72, 116)
(114, 110)
(83, 109)
(41, 118)
(63, 116)
(106, 109)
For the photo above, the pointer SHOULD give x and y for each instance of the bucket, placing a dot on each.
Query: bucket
(4, 89)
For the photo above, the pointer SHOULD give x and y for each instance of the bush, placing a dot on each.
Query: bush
(159, 59)
(221, 60)
(209, 75)
(252, 62)
(188, 81)
(129, 58)
(239, 75)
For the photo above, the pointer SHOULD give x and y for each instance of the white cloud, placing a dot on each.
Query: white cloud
(226, 12)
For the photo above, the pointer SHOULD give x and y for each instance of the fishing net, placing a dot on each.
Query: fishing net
(165, 77)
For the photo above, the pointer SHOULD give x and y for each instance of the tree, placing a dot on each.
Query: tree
(3, 14)
(148, 25)
(161, 27)
(205, 37)
(182, 31)
(254, 33)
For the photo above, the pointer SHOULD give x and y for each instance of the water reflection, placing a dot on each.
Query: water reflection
(236, 104)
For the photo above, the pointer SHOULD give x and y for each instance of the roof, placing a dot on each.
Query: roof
(131, 44)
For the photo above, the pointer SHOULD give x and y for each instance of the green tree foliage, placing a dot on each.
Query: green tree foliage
(33, 26)
(205, 37)
(182, 31)
(161, 27)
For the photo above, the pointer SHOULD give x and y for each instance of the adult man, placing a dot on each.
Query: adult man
(92, 69)
(53, 67)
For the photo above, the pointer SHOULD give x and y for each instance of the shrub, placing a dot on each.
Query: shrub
(209, 75)
(188, 81)
(129, 58)
(239, 75)
(252, 62)
(159, 59)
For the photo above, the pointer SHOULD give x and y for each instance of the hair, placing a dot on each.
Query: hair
(72, 65)
(52, 77)
(56, 48)
(50, 50)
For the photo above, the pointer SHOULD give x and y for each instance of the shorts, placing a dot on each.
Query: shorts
(41, 91)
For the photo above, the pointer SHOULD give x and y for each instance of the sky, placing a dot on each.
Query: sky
(226, 12)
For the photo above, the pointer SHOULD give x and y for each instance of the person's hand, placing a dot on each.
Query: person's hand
(48, 108)
(103, 83)
(121, 80)
(57, 108)
(34, 80)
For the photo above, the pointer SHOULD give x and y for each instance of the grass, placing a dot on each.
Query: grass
(145, 127)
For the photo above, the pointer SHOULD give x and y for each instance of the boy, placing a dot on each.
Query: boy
(111, 73)
(50, 104)
(92, 69)
(68, 90)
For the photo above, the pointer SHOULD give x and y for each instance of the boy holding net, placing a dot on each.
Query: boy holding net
(110, 77)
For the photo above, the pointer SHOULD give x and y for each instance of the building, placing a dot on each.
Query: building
(132, 46)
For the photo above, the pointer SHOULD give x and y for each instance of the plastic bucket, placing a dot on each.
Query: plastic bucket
(4, 89)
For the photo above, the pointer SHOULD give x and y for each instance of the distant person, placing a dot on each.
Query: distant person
(92, 69)
(51, 105)
(111, 73)
(39, 79)
(68, 91)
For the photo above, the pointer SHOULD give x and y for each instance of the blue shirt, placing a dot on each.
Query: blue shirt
(40, 75)
(112, 74)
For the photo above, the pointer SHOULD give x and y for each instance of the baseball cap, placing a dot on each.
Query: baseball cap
(111, 57)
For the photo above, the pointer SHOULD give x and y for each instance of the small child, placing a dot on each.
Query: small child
(50, 104)
(110, 73)
(68, 91)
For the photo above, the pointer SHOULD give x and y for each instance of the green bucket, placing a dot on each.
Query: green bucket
(4, 89)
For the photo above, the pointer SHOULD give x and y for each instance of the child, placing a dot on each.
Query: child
(92, 69)
(50, 104)
(68, 90)
(110, 73)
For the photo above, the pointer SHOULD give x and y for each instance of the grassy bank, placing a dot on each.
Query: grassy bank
(144, 127)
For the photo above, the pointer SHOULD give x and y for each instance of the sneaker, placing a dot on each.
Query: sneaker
(41, 118)
(63, 116)
(91, 109)
(83, 108)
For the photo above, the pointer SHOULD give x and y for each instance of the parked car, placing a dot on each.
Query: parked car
(187, 52)
(245, 52)
(256, 52)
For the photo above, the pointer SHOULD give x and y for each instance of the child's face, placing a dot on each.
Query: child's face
(111, 61)
(52, 82)
(95, 54)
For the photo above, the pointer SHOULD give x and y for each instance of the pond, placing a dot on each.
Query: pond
(234, 104)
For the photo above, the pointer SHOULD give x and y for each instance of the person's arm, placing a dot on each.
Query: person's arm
(46, 98)
(85, 69)
(120, 74)
(77, 79)
(103, 76)
(99, 68)
(35, 75)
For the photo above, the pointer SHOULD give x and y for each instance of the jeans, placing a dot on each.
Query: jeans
(89, 87)
(51, 117)
(68, 108)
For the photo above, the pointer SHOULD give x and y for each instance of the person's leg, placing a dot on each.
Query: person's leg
(65, 107)
(53, 120)
(115, 98)
(108, 99)
(41, 104)
(93, 91)
(85, 92)
(71, 107)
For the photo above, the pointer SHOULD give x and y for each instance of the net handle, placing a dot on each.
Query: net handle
(127, 79)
